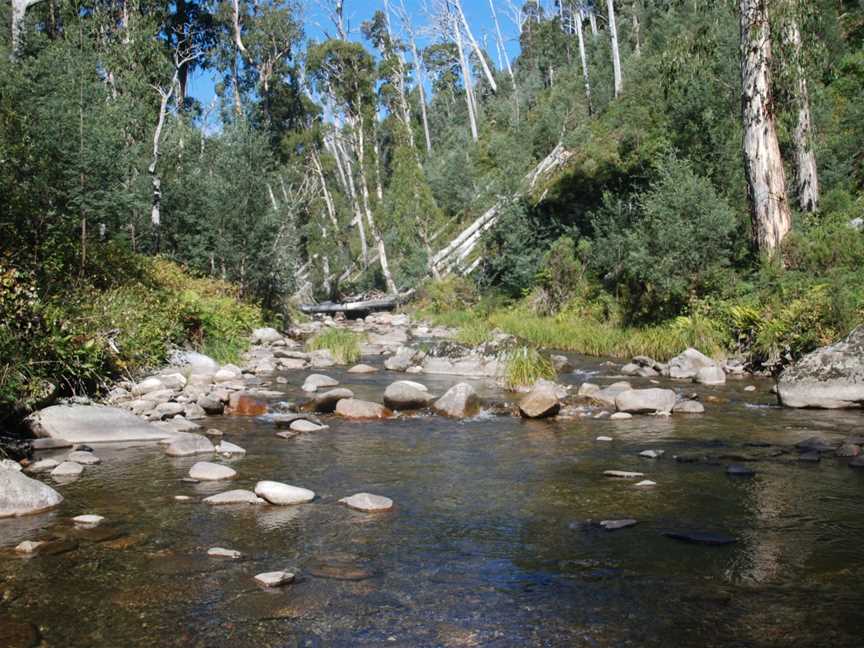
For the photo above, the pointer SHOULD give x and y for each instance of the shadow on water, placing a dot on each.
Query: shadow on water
(494, 541)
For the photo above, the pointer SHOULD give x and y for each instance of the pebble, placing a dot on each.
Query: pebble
(368, 503)
(88, 520)
(214, 432)
(646, 483)
(84, 458)
(750, 388)
(182, 498)
(614, 525)
(219, 552)
(652, 454)
(604, 438)
(275, 579)
(622, 474)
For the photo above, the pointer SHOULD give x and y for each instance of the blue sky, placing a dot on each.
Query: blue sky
(356, 11)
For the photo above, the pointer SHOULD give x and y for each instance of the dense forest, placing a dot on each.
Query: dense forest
(643, 175)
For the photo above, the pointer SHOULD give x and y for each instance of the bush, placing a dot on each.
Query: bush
(344, 345)
(560, 279)
(442, 295)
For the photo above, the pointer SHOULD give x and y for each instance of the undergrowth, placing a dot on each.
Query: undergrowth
(344, 345)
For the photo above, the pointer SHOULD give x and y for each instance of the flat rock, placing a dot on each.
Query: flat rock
(353, 408)
(541, 402)
(48, 443)
(688, 407)
(605, 439)
(737, 470)
(43, 465)
(283, 494)
(368, 503)
(816, 444)
(326, 403)
(88, 520)
(615, 525)
(652, 454)
(206, 471)
(305, 425)
(621, 416)
(28, 546)
(22, 495)
(226, 448)
(68, 469)
(339, 570)
(238, 496)
(622, 474)
(188, 445)
(314, 382)
(407, 395)
(275, 579)
(362, 369)
(645, 401)
(458, 402)
(92, 424)
(220, 552)
(701, 537)
(646, 483)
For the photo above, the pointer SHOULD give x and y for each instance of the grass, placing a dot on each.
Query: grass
(525, 366)
(344, 345)
(475, 333)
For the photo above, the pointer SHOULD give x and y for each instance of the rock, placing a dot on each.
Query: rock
(737, 470)
(621, 416)
(265, 335)
(326, 403)
(238, 496)
(828, 378)
(314, 382)
(848, 450)
(541, 402)
(607, 396)
(213, 432)
(561, 363)
(352, 408)
(48, 443)
(28, 546)
(701, 537)
(339, 569)
(8, 464)
(185, 498)
(206, 471)
(368, 503)
(304, 425)
(293, 364)
(652, 454)
(604, 439)
(275, 579)
(211, 405)
(194, 412)
(646, 483)
(615, 525)
(219, 552)
(458, 402)
(68, 469)
(403, 359)
(283, 494)
(687, 365)
(83, 458)
(587, 390)
(88, 520)
(645, 401)
(362, 369)
(688, 407)
(228, 373)
(147, 386)
(177, 425)
(92, 424)
(140, 406)
(810, 457)
(630, 369)
(226, 448)
(188, 445)
(22, 495)
(159, 396)
(713, 375)
(816, 444)
(322, 358)
(43, 465)
(243, 404)
(173, 381)
(622, 474)
(393, 337)
(287, 434)
(750, 388)
(198, 363)
(406, 395)
(18, 634)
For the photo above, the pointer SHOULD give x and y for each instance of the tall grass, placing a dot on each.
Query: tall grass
(475, 333)
(525, 366)
(344, 345)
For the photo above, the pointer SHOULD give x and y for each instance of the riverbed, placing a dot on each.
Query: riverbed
(494, 540)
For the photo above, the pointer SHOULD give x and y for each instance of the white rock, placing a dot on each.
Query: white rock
(238, 496)
(21, 495)
(646, 483)
(302, 425)
(652, 454)
(645, 401)
(265, 335)
(368, 503)
(92, 424)
(283, 494)
(84, 458)
(8, 464)
(275, 579)
(88, 520)
(68, 469)
(604, 438)
(43, 465)
(314, 382)
(182, 498)
(219, 552)
(188, 445)
(713, 375)
(147, 386)
(621, 416)
(622, 474)
(28, 546)
(206, 471)
(226, 448)
(173, 381)
(750, 388)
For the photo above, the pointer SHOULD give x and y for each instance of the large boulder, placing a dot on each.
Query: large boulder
(406, 395)
(265, 335)
(92, 424)
(831, 377)
(458, 402)
(645, 401)
(326, 403)
(686, 366)
(403, 359)
(21, 495)
(541, 402)
(605, 397)
(711, 376)
(352, 408)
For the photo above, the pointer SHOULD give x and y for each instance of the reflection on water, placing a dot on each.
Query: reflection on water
(494, 540)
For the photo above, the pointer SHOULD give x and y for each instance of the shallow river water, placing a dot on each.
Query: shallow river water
(494, 540)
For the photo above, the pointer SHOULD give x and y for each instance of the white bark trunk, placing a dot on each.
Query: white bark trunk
(467, 80)
(477, 50)
(806, 173)
(358, 213)
(762, 162)
(19, 12)
(616, 56)
(328, 199)
(584, 58)
(501, 44)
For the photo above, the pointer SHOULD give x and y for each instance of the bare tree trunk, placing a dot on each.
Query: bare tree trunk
(466, 79)
(19, 11)
(328, 199)
(637, 50)
(418, 62)
(477, 49)
(763, 165)
(156, 208)
(358, 213)
(592, 19)
(806, 174)
(501, 42)
(616, 56)
(584, 58)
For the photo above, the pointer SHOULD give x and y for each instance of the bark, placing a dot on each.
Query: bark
(358, 213)
(328, 199)
(763, 165)
(19, 11)
(477, 50)
(156, 180)
(584, 58)
(467, 80)
(616, 56)
(806, 174)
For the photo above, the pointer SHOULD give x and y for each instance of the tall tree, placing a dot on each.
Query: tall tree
(769, 205)
(616, 55)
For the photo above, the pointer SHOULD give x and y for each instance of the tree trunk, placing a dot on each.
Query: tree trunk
(477, 50)
(501, 45)
(420, 81)
(466, 80)
(806, 174)
(616, 56)
(584, 58)
(763, 165)
(19, 11)
(358, 213)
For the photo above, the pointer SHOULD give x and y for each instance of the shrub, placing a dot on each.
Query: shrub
(443, 295)
(525, 366)
(344, 345)
(560, 279)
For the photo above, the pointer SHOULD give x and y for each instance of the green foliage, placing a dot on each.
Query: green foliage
(344, 345)
(446, 295)
(561, 278)
(524, 366)
(474, 333)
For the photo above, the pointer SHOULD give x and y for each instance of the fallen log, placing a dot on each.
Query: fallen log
(357, 308)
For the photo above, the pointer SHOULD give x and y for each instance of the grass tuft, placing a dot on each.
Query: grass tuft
(524, 366)
(344, 345)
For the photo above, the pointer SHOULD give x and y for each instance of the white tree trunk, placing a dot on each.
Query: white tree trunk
(358, 213)
(477, 50)
(467, 80)
(19, 11)
(584, 58)
(616, 55)
(762, 162)
(806, 174)
(501, 45)
(328, 199)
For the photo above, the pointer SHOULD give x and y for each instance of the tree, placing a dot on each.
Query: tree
(763, 164)
(616, 56)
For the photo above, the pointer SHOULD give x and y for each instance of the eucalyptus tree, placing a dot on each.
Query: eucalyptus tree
(616, 55)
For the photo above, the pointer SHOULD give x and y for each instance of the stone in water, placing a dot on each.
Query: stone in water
(368, 503)
(275, 579)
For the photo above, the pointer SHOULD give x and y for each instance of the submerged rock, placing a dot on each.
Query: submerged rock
(206, 471)
(22, 495)
(220, 552)
(188, 445)
(458, 402)
(238, 496)
(368, 503)
(92, 424)
(615, 525)
(68, 469)
(275, 579)
(831, 377)
(622, 474)
(737, 470)
(701, 537)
